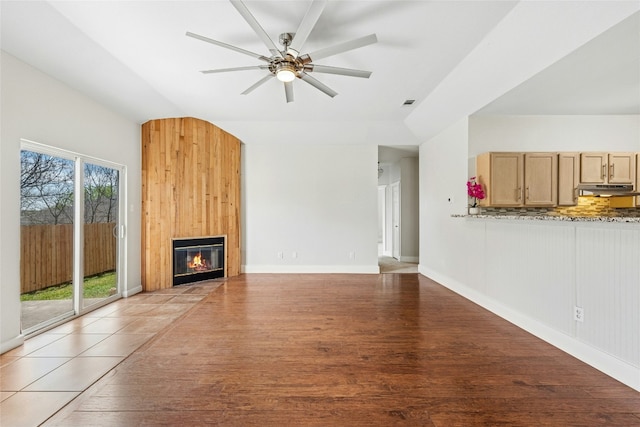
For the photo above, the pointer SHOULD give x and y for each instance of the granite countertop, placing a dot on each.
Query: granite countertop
(553, 218)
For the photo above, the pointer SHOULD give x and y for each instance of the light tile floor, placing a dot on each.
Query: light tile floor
(49, 370)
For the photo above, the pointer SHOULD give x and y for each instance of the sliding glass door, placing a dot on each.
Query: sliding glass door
(47, 201)
(101, 232)
(72, 234)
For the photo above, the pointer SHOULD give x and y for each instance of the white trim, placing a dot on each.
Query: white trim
(414, 259)
(12, 343)
(302, 269)
(394, 249)
(79, 163)
(382, 198)
(131, 292)
(78, 236)
(612, 366)
(26, 144)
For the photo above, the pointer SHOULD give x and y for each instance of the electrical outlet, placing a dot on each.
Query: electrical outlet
(280, 255)
(294, 255)
(352, 255)
(578, 314)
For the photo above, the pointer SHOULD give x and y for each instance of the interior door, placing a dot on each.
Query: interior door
(395, 198)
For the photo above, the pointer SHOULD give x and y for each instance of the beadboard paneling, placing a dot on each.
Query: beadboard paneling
(532, 270)
(190, 188)
(608, 289)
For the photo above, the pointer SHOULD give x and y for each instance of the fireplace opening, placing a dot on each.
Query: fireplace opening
(197, 259)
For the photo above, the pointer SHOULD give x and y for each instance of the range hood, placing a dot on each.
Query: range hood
(607, 190)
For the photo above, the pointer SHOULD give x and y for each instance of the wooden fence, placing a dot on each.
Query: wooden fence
(46, 253)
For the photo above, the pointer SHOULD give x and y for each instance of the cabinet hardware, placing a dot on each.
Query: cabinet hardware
(519, 193)
(604, 171)
(527, 192)
(611, 170)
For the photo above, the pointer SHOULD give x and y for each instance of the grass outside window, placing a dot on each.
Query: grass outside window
(98, 286)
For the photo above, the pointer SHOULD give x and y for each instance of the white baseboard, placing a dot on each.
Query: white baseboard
(610, 365)
(12, 343)
(302, 269)
(131, 292)
(409, 259)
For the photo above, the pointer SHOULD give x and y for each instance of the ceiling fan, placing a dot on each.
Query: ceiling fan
(288, 64)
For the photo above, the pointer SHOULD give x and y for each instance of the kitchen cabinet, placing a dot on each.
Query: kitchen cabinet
(540, 179)
(607, 168)
(568, 178)
(512, 179)
(501, 176)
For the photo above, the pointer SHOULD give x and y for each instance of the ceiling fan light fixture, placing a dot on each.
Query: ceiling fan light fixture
(286, 72)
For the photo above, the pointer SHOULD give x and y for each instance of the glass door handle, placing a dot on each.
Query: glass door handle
(115, 232)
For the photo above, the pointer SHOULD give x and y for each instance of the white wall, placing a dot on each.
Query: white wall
(534, 273)
(554, 133)
(316, 205)
(39, 108)
(409, 209)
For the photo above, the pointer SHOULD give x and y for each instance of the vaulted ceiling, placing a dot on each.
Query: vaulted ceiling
(134, 57)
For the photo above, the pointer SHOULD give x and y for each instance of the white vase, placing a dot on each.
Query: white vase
(474, 211)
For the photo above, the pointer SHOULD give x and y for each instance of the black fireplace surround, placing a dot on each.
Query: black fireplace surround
(199, 258)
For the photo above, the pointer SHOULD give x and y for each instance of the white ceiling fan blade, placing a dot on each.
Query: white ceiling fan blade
(258, 83)
(251, 20)
(316, 68)
(343, 47)
(318, 85)
(307, 24)
(227, 46)
(288, 91)
(225, 70)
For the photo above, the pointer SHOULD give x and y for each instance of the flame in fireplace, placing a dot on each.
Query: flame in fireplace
(198, 262)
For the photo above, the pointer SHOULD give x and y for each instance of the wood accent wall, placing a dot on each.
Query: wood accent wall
(190, 188)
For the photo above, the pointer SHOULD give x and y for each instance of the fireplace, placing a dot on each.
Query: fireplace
(198, 258)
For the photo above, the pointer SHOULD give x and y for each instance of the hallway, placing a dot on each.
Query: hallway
(391, 265)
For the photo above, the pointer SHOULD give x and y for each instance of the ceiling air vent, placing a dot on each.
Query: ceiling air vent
(409, 102)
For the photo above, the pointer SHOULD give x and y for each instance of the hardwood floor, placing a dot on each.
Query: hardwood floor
(347, 350)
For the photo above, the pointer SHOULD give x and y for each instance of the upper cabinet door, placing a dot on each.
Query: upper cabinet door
(622, 168)
(607, 168)
(593, 168)
(568, 178)
(540, 179)
(506, 179)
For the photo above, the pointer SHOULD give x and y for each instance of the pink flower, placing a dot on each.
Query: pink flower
(475, 191)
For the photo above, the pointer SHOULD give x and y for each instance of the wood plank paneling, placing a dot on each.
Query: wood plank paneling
(190, 188)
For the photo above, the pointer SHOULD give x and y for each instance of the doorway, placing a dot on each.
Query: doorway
(398, 209)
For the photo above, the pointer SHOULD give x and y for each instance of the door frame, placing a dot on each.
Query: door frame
(382, 210)
(396, 223)
(78, 231)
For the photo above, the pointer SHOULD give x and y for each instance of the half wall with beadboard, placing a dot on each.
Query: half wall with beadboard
(190, 188)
